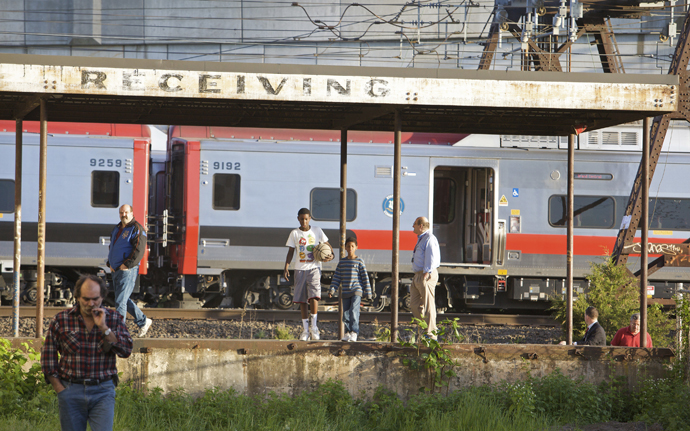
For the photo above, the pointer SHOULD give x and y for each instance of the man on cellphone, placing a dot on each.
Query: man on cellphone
(87, 339)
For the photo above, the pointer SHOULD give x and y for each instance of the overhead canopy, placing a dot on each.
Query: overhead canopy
(326, 97)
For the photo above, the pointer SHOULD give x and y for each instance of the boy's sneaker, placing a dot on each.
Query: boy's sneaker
(314, 331)
(144, 329)
(346, 337)
(304, 336)
(353, 336)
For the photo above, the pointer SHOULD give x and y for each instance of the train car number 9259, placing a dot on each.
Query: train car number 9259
(226, 166)
(107, 163)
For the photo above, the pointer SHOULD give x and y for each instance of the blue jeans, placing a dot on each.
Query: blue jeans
(80, 403)
(124, 281)
(351, 313)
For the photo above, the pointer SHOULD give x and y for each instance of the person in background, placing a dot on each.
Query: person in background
(595, 335)
(426, 258)
(78, 358)
(630, 335)
(307, 270)
(127, 247)
(351, 275)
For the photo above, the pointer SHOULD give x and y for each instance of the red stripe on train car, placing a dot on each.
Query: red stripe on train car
(556, 244)
(140, 200)
(188, 259)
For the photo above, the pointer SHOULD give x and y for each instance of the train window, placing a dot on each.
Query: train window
(6, 196)
(105, 189)
(444, 200)
(325, 204)
(226, 192)
(669, 214)
(593, 212)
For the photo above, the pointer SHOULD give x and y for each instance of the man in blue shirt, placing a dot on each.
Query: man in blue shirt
(425, 261)
(127, 247)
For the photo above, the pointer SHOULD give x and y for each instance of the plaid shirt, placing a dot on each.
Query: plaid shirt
(81, 352)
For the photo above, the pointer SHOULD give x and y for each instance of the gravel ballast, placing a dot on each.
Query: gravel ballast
(254, 329)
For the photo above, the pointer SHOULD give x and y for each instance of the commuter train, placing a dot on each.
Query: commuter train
(219, 204)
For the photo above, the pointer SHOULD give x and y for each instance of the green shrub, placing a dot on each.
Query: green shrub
(23, 389)
(664, 401)
(616, 295)
(282, 332)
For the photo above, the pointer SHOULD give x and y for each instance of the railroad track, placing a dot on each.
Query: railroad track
(294, 315)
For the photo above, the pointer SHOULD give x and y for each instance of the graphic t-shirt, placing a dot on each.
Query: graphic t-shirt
(304, 243)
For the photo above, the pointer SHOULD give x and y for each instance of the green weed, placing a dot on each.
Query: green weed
(282, 332)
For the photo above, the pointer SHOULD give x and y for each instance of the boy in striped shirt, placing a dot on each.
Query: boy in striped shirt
(351, 275)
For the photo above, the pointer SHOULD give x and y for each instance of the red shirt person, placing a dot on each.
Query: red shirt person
(630, 335)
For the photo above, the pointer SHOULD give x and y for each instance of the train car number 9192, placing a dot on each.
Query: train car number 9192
(226, 166)
(109, 163)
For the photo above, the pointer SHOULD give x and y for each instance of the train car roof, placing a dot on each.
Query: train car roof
(307, 135)
(265, 146)
(91, 141)
(90, 129)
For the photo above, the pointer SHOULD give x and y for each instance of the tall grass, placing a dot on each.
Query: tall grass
(28, 403)
(536, 404)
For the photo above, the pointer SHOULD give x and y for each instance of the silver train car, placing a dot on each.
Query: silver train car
(497, 208)
(220, 203)
(92, 169)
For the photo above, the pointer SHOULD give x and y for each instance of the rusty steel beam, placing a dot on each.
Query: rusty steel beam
(18, 133)
(570, 239)
(544, 61)
(489, 48)
(644, 221)
(366, 114)
(343, 223)
(41, 239)
(26, 106)
(659, 127)
(395, 267)
(606, 43)
(679, 260)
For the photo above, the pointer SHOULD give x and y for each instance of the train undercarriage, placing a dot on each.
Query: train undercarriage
(269, 290)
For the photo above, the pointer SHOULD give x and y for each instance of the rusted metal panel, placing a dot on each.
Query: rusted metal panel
(678, 260)
(565, 94)
(658, 248)
(605, 40)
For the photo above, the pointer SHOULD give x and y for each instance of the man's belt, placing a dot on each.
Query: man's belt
(89, 382)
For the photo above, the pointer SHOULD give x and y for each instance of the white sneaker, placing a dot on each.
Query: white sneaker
(353, 336)
(144, 329)
(304, 336)
(346, 337)
(314, 333)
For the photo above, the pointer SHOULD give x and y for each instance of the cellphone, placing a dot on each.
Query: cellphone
(97, 312)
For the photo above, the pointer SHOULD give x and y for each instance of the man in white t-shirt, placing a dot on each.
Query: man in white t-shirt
(307, 270)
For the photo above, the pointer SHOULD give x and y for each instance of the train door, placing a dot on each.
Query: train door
(463, 213)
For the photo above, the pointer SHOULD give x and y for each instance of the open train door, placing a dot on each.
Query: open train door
(469, 235)
(463, 214)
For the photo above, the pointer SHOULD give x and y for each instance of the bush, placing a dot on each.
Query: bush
(616, 295)
(22, 391)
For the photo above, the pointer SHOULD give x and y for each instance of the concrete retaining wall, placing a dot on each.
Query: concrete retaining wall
(260, 366)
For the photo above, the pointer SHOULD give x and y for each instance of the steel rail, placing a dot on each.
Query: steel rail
(293, 315)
